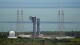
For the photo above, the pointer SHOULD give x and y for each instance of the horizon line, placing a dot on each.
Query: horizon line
(40, 22)
(42, 7)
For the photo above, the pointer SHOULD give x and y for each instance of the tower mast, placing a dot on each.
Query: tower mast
(21, 20)
(61, 19)
(18, 20)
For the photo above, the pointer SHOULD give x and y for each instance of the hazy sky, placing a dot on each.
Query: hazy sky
(45, 14)
(39, 3)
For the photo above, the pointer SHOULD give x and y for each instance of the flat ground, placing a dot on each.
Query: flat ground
(27, 41)
(30, 41)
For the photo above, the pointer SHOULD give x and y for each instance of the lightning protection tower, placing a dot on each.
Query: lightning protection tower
(61, 20)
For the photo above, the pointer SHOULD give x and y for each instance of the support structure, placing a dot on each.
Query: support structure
(61, 19)
(61, 22)
(18, 20)
(33, 19)
(38, 27)
(22, 26)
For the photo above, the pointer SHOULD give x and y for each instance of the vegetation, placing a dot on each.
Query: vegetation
(31, 41)
(27, 41)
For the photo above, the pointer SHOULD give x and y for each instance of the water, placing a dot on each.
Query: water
(45, 14)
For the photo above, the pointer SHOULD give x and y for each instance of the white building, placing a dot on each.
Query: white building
(66, 37)
(12, 34)
(25, 36)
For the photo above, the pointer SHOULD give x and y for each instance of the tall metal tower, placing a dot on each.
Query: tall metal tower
(22, 26)
(33, 19)
(61, 23)
(18, 20)
(59, 13)
(61, 20)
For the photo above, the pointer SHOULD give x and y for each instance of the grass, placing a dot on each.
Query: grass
(32, 41)
(27, 41)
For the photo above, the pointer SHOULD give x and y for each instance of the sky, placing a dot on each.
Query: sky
(39, 3)
(8, 9)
